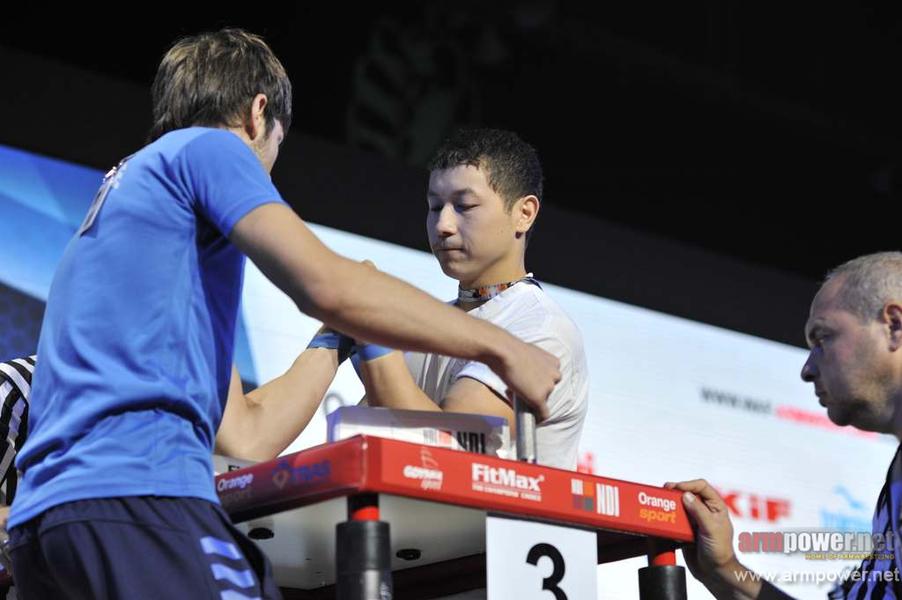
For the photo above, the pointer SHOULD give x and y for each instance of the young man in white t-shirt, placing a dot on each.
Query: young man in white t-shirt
(485, 190)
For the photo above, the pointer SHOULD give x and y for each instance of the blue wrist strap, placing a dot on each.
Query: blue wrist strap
(332, 340)
(370, 352)
(366, 353)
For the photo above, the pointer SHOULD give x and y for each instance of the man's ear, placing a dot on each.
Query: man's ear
(892, 317)
(255, 119)
(526, 210)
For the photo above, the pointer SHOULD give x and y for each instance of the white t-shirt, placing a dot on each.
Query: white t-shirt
(525, 311)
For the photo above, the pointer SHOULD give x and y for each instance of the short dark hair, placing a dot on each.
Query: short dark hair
(511, 165)
(210, 79)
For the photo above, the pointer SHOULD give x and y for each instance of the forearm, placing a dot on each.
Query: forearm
(261, 424)
(733, 582)
(389, 384)
(389, 312)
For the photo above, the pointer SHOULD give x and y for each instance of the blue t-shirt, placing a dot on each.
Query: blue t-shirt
(135, 353)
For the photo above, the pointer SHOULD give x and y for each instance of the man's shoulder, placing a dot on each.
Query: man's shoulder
(196, 140)
(533, 315)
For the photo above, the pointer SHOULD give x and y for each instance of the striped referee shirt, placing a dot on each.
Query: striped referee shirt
(15, 389)
(877, 577)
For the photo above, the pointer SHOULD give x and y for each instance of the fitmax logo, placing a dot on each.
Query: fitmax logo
(506, 478)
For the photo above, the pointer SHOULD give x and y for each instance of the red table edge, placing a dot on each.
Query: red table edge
(367, 464)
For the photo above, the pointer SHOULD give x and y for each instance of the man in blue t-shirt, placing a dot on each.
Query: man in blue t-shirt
(116, 497)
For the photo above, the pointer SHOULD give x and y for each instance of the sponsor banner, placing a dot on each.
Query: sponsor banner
(494, 484)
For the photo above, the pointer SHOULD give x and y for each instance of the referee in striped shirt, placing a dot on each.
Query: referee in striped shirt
(854, 332)
(15, 387)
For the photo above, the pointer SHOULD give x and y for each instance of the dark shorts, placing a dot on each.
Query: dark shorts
(136, 548)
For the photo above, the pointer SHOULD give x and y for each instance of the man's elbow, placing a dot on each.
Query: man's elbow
(323, 300)
(247, 450)
(258, 454)
(233, 441)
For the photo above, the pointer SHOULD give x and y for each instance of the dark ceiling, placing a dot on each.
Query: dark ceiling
(764, 132)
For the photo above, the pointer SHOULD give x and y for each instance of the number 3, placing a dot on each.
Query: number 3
(550, 582)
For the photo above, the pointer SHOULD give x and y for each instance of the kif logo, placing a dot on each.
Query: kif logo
(756, 507)
(428, 474)
(506, 482)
